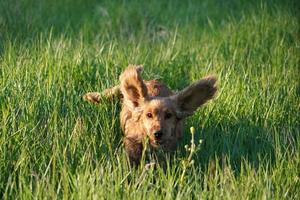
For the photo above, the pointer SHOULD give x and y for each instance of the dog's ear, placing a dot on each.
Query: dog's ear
(195, 95)
(133, 87)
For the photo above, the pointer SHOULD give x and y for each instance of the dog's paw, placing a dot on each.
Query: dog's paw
(93, 97)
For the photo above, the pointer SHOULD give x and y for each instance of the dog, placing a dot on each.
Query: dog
(151, 110)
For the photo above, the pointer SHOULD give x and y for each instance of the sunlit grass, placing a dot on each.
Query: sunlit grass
(55, 145)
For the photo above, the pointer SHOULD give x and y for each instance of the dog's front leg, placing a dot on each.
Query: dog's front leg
(134, 150)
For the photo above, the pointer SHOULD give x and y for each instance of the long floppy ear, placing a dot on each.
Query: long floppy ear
(195, 95)
(133, 87)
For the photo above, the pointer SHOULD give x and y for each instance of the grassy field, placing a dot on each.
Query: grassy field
(53, 145)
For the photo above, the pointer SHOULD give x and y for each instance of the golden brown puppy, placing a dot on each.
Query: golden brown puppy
(150, 109)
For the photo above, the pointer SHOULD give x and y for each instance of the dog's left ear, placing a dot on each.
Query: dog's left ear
(133, 87)
(195, 95)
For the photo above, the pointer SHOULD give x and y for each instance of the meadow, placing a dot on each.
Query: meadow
(54, 145)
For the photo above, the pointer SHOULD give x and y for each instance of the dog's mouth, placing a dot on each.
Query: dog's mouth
(166, 145)
(156, 143)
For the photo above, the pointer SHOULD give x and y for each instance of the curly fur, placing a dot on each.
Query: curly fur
(150, 107)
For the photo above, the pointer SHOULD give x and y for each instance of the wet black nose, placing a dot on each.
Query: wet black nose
(158, 134)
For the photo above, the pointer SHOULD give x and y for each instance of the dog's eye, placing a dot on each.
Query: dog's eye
(168, 115)
(149, 115)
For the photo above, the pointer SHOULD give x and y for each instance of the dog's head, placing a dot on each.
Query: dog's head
(160, 116)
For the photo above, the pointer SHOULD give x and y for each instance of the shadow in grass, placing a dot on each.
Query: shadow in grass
(28, 20)
(234, 143)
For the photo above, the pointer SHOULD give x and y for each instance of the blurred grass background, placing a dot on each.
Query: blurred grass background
(54, 145)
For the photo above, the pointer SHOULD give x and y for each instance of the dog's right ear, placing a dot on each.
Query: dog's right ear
(195, 95)
(133, 87)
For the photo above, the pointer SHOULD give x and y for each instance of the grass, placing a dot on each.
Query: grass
(55, 146)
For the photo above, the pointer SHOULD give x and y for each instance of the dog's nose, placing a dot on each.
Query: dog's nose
(158, 134)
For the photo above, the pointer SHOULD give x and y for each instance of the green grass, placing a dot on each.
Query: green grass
(54, 145)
